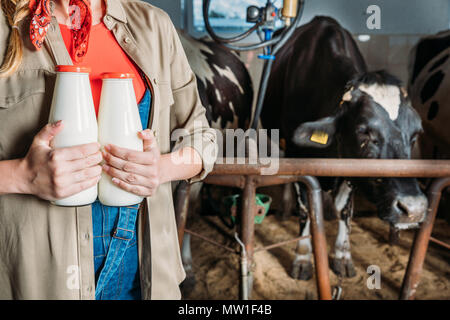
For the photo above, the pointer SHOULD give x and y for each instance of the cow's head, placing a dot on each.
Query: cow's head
(374, 120)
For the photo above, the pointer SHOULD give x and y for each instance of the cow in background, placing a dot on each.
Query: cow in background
(224, 84)
(226, 91)
(429, 87)
(327, 105)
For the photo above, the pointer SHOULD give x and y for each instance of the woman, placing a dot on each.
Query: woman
(47, 252)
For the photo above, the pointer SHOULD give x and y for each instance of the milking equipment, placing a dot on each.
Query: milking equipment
(265, 19)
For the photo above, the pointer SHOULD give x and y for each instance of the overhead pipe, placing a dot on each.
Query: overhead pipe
(291, 9)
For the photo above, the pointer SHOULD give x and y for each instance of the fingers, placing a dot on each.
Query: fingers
(77, 168)
(125, 166)
(131, 178)
(65, 167)
(66, 180)
(78, 187)
(74, 153)
(49, 132)
(133, 156)
(137, 190)
(148, 139)
(86, 174)
(90, 161)
(150, 148)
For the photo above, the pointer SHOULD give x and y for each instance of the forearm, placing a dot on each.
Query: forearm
(180, 165)
(12, 173)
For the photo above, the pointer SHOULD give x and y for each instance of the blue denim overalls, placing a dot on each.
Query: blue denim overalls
(115, 243)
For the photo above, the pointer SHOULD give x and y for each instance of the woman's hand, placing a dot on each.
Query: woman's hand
(135, 171)
(53, 174)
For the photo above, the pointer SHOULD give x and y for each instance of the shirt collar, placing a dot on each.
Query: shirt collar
(114, 9)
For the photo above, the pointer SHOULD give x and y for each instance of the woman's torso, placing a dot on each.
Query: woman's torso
(46, 251)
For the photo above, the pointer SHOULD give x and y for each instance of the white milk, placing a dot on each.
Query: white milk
(118, 123)
(72, 103)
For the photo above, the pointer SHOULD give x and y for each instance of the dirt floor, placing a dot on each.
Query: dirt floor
(217, 270)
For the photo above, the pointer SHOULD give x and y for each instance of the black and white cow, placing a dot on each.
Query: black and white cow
(224, 84)
(326, 104)
(226, 91)
(428, 87)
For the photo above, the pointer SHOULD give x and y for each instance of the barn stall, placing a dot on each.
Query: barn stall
(216, 251)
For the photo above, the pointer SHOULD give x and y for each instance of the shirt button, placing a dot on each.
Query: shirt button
(108, 18)
(127, 40)
(86, 236)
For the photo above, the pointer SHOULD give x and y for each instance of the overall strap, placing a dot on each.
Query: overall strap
(123, 234)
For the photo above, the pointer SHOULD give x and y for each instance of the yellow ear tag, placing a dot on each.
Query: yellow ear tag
(319, 137)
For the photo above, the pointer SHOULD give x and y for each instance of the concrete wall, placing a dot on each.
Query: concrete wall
(397, 16)
(389, 52)
(174, 8)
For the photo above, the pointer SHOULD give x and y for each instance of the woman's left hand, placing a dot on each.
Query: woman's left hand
(134, 171)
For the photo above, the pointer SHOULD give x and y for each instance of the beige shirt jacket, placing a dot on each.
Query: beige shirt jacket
(46, 251)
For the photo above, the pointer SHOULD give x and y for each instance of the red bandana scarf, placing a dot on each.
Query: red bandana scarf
(80, 20)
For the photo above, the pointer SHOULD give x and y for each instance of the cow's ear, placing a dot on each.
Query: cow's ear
(317, 134)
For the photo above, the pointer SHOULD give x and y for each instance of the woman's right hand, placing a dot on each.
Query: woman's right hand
(53, 174)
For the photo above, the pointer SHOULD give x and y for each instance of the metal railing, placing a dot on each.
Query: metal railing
(248, 177)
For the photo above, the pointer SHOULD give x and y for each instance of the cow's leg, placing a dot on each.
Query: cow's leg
(342, 263)
(186, 255)
(302, 266)
(195, 203)
(182, 196)
(288, 202)
(394, 236)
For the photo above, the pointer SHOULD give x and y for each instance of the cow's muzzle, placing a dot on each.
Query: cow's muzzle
(408, 211)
